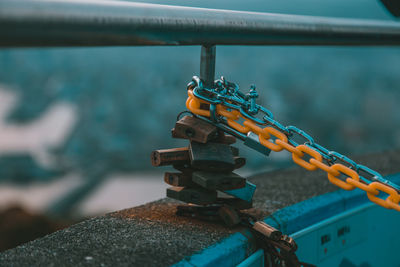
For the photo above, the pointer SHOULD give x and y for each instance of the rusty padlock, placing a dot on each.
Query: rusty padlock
(170, 156)
(235, 151)
(211, 157)
(237, 203)
(185, 168)
(197, 196)
(178, 179)
(229, 215)
(224, 138)
(207, 213)
(194, 129)
(239, 162)
(218, 180)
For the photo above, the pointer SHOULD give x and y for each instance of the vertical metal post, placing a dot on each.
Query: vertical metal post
(207, 65)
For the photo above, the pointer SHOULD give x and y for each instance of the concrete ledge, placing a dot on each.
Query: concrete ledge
(151, 235)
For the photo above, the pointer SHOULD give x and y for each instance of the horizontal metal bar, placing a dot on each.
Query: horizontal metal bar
(109, 23)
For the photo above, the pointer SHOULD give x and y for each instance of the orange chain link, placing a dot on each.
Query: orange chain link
(315, 162)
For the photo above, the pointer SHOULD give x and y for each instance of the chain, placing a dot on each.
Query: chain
(239, 112)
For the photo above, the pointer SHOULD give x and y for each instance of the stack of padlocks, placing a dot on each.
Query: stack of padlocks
(205, 180)
(205, 176)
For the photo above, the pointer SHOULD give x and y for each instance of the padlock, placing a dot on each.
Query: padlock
(267, 230)
(170, 156)
(229, 215)
(235, 151)
(237, 203)
(178, 179)
(239, 162)
(224, 138)
(218, 180)
(194, 129)
(207, 213)
(176, 134)
(245, 193)
(185, 167)
(212, 157)
(252, 140)
(197, 196)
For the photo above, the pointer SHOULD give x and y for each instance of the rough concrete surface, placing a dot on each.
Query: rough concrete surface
(151, 235)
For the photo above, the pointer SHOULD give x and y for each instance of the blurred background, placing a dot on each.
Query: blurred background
(77, 125)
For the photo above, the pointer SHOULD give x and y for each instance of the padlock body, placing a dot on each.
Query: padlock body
(218, 181)
(213, 157)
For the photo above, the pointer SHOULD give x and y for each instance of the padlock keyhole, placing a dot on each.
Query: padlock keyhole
(190, 132)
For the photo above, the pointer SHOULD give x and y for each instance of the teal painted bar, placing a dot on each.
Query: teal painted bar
(255, 260)
(303, 220)
(229, 252)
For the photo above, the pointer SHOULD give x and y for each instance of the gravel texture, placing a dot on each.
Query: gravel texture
(151, 235)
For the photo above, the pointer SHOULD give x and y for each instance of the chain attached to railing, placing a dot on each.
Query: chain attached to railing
(241, 115)
(279, 249)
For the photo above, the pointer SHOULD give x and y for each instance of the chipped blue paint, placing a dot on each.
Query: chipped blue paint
(234, 249)
(246, 193)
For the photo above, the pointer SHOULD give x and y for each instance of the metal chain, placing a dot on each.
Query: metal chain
(241, 114)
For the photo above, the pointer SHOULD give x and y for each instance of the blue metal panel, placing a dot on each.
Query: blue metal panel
(364, 236)
(336, 229)
(255, 260)
(306, 213)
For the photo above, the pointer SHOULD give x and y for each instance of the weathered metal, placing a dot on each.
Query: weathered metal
(115, 23)
(267, 230)
(225, 138)
(197, 196)
(207, 64)
(218, 181)
(237, 203)
(212, 157)
(239, 162)
(207, 213)
(229, 215)
(194, 129)
(170, 156)
(235, 151)
(178, 179)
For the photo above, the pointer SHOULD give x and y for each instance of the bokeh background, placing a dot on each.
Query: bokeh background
(77, 125)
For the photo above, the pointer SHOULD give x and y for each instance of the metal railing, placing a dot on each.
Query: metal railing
(47, 23)
(116, 23)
